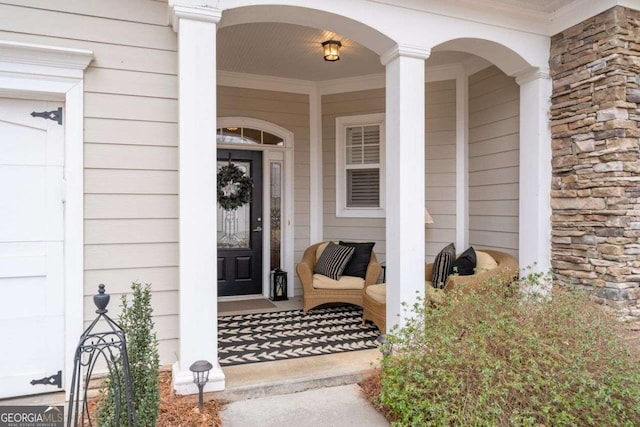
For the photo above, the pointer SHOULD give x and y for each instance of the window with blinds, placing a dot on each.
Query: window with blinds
(359, 152)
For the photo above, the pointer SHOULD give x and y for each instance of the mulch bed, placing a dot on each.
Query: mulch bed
(371, 389)
(182, 411)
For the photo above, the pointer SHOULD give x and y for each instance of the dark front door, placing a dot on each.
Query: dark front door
(240, 225)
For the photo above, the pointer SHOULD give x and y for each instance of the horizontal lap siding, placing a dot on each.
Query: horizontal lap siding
(290, 111)
(493, 160)
(352, 229)
(131, 139)
(440, 173)
(440, 134)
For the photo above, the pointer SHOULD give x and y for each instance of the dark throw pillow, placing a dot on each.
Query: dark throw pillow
(357, 265)
(333, 260)
(465, 265)
(443, 265)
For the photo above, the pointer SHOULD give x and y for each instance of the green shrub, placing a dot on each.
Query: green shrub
(498, 358)
(142, 352)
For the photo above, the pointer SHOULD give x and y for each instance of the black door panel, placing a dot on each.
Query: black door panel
(240, 231)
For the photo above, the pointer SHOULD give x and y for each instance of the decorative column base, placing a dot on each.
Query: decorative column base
(183, 384)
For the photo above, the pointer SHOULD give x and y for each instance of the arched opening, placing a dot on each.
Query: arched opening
(363, 30)
(260, 78)
(274, 145)
(502, 187)
(484, 178)
(505, 58)
(270, 68)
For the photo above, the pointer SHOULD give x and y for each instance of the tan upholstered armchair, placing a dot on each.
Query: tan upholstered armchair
(505, 270)
(321, 290)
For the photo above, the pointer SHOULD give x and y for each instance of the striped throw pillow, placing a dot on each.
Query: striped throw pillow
(333, 260)
(442, 265)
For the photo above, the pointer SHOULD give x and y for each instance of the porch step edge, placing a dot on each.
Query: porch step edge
(288, 386)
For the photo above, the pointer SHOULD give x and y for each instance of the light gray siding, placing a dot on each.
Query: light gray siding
(131, 137)
(351, 229)
(131, 142)
(493, 160)
(440, 155)
(290, 111)
(131, 149)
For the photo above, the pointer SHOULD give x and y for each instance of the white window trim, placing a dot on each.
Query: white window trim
(341, 176)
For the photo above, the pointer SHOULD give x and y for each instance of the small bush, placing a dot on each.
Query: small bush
(142, 352)
(497, 358)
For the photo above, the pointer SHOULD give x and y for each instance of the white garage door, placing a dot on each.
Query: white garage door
(31, 247)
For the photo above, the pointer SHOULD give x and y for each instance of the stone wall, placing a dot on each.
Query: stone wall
(596, 181)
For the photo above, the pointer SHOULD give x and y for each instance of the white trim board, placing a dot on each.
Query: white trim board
(513, 16)
(582, 10)
(316, 214)
(260, 82)
(329, 87)
(53, 73)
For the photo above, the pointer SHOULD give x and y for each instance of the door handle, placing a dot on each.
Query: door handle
(258, 228)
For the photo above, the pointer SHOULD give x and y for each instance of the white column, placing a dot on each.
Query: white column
(196, 27)
(405, 177)
(535, 171)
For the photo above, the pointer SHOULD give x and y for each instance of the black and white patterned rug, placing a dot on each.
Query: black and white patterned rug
(263, 337)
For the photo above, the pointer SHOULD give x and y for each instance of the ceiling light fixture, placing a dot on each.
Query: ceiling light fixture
(331, 50)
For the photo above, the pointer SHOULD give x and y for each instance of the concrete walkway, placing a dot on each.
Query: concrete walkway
(324, 407)
(309, 391)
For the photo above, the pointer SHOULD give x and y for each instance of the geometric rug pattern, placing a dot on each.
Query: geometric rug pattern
(263, 337)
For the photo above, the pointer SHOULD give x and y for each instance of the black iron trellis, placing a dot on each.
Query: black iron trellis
(111, 344)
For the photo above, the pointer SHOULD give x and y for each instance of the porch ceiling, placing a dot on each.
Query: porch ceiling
(294, 51)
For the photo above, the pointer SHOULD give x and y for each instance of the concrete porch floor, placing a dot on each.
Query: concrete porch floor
(291, 376)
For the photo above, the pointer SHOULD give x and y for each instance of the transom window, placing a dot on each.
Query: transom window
(248, 136)
(359, 165)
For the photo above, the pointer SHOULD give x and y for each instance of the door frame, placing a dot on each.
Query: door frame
(270, 154)
(29, 71)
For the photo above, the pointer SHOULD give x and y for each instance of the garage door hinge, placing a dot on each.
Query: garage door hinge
(55, 379)
(55, 115)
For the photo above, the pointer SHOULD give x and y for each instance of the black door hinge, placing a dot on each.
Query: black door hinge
(55, 115)
(55, 379)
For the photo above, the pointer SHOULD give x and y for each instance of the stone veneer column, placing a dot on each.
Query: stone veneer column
(596, 182)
